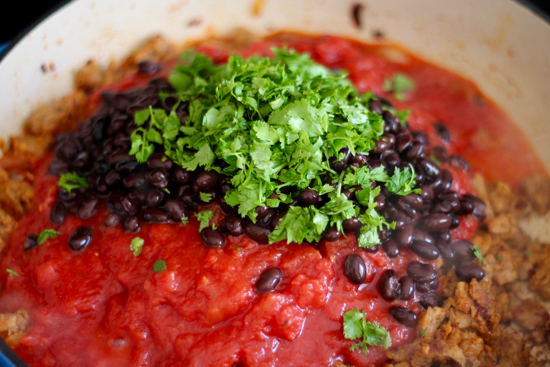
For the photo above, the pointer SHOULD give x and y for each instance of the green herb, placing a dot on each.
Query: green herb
(137, 245)
(498, 257)
(479, 255)
(422, 333)
(159, 266)
(356, 327)
(167, 191)
(185, 220)
(204, 217)
(239, 248)
(527, 254)
(47, 234)
(206, 197)
(12, 272)
(433, 158)
(268, 124)
(71, 181)
(399, 84)
(402, 182)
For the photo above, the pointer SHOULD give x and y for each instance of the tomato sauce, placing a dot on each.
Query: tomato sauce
(106, 307)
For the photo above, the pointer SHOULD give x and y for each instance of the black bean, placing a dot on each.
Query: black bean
(442, 132)
(175, 209)
(388, 286)
(390, 248)
(404, 237)
(421, 137)
(406, 286)
(112, 178)
(381, 146)
(117, 125)
(479, 207)
(352, 224)
(126, 167)
(208, 179)
(131, 224)
(276, 219)
(463, 250)
(354, 268)
(114, 203)
(66, 150)
(427, 193)
(380, 201)
(359, 160)
(466, 271)
(134, 181)
(371, 249)
(332, 234)
(429, 168)
(444, 236)
(403, 141)
(458, 163)
(226, 186)
(339, 163)
(415, 151)
(147, 67)
(80, 239)
(233, 226)
(88, 207)
(375, 106)
(426, 287)
(466, 207)
(155, 215)
(374, 163)
(66, 197)
(58, 167)
(390, 138)
(266, 217)
(154, 197)
(425, 250)
(436, 222)
(82, 161)
(57, 213)
(390, 120)
(138, 196)
(160, 161)
(158, 178)
(446, 180)
(391, 158)
(309, 197)
(101, 186)
(129, 205)
(269, 280)
(455, 222)
(404, 316)
(412, 200)
(420, 235)
(30, 242)
(448, 203)
(212, 238)
(257, 233)
(182, 176)
(421, 273)
(431, 299)
(112, 220)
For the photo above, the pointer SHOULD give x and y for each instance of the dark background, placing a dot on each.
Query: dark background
(22, 14)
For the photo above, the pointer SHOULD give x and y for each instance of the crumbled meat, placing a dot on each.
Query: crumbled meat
(16, 197)
(530, 315)
(29, 148)
(13, 326)
(537, 189)
(156, 49)
(423, 351)
(503, 225)
(89, 77)
(7, 225)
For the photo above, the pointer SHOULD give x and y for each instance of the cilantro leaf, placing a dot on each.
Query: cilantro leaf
(399, 84)
(479, 255)
(47, 234)
(71, 181)
(159, 266)
(402, 182)
(12, 273)
(204, 218)
(356, 327)
(422, 333)
(206, 197)
(137, 245)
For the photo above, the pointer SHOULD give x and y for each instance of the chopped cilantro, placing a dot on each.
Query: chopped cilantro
(137, 245)
(269, 124)
(402, 182)
(159, 266)
(12, 272)
(71, 181)
(47, 234)
(184, 220)
(479, 255)
(204, 217)
(166, 190)
(356, 327)
(527, 254)
(422, 333)
(499, 257)
(206, 197)
(239, 248)
(399, 84)
(433, 158)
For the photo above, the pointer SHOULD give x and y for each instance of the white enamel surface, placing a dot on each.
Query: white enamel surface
(499, 44)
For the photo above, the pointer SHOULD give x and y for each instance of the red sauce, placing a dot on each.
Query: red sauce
(104, 306)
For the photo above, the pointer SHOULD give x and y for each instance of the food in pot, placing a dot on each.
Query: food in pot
(264, 210)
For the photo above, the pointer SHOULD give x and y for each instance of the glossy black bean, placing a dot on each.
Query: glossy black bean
(126, 167)
(459, 163)
(131, 224)
(348, 194)
(257, 233)
(426, 287)
(421, 137)
(276, 219)
(82, 161)
(114, 203)
(427, 193)
(375, 106)
(66, 197)
(390, 121)
(175, 209)
(232, 225)
(158, 178)
(444, 236)
(225, 186)
(374, 163)
(359, 160)
(269, 280)
(404, 316)
(30, 242)
(380, 201)
(354, 268)
(455, 222)
(208, 179)
(371, 249)
(388, 285)
(420, 235)
(58, 167)
(88, 207)
(440, 153)
(442, 132)
(421, 273)
(339, 163)
(381, 146)
(425, 250)
(101, 167)
(332, 234)
(446, 251)
(405, 236)
(406, 287)
(134, 181)
(412, 200)
(66, 150)
(112, 220)
(352, 224)
(446, 181)
(160, 161)
(403, 141)
(130, 206)
(431, 299)
(57, 213)
(265, 220)
(415, 151)
(154, 197)
(390, 248)
(466, 207)
(155, 215)
(436, 222)
(479, 206)
(463, 250)
(212, 238)
(112, 178)
(182, 176)
(309, 197)
(139, 196)
(80, 239)
(100, 186)
(226, 208)
(429, 168)
(117, 125)
(391, 158)
(147, 67)
(466, 271)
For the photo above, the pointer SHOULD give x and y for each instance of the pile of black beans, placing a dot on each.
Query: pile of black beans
(159, 191)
